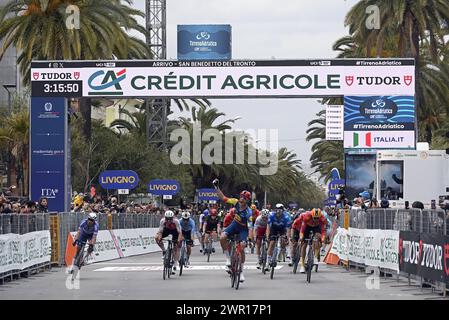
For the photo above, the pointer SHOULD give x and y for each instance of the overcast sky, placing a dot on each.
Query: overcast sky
(267, 29)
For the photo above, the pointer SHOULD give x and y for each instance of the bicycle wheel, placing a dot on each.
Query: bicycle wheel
(238, 271)
(182, 259)
(164, 271)
(309, 263)
(232, 271)
(273, 262)
(209, 249)
(264, 256)
(296, 259)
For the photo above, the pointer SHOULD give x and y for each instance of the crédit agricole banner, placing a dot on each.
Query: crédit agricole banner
(237, 78)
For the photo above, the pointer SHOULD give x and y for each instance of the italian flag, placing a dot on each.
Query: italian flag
(356, 139)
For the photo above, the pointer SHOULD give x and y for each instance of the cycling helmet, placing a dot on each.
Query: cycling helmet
(280, 206)
(265, 213)
(316, 213)
(169, 214)
(246, 195)
(365, 195)
(186, 215)
(213, 212)
(92, 216)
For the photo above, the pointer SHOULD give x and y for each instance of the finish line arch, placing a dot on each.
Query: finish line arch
(53, 82)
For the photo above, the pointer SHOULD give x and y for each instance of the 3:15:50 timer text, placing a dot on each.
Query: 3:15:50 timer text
(61, 87)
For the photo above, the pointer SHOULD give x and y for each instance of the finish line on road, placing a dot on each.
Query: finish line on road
(159, 268)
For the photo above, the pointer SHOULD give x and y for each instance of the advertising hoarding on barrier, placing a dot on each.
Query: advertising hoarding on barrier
(104, 249)
(49, 174)
(334, 122)
(379, 122)
(376, 248)
(118, 179)
(164, 187)
(207, 195)
(204, 42)
(226, 79)
(425, 254)
(18, 252)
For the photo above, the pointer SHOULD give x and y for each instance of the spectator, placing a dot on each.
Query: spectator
(16, 207)
(418, 205)
(384, 204)
(374, 204)
(42, 206)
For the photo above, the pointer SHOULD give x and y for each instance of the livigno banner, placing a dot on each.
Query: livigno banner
(379, 122)
(204, 42)
(231, 79)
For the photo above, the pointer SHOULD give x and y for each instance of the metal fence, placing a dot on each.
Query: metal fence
(23, 223)
(423, 221)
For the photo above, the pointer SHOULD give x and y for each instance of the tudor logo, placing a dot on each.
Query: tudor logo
(408, 80)
(76, 75)
(446, 259)
(36, 75)
(349, 80)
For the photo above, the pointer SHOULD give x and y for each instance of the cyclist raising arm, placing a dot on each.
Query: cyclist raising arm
(238, 226)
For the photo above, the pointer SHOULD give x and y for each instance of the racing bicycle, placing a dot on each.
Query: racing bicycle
(209, 246)
(182, 256)
(263, 254)
(236, 262)
(276, 250)
(168, 258)
(309, 256)
(80, 260)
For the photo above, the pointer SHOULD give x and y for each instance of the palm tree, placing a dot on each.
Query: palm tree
(14, 138)
(38, 29)
(325, 154)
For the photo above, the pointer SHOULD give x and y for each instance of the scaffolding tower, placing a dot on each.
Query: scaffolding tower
(156, 109)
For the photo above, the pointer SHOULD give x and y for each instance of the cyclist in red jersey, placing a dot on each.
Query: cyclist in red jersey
(312, 221)
(228, 218)
(294, 236)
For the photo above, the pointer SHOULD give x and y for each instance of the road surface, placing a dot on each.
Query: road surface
(140, 277)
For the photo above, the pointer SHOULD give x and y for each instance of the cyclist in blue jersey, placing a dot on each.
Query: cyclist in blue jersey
(203, 217)
(278, 224)
(188, 229)
(87, 232)
(238, 226)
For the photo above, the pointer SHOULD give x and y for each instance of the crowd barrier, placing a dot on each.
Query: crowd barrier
(419, 239)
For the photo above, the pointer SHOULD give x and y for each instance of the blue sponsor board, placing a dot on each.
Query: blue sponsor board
(207, 195)
(335, 185)
(386, 113)
(204, 42)
(164, 187)
(118, 179)
(48, 169)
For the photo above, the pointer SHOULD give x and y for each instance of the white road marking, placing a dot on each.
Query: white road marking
(159, 268)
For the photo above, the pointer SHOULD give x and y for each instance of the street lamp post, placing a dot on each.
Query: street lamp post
(7, 87)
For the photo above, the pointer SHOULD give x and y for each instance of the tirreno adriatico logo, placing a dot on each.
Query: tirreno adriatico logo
(48, 107)
(204, 35)
(103, 80)
(379, 109)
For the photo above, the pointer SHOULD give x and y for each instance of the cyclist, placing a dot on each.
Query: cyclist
(238, 226)
(87, 232)
(170, 225)
(295, 230)
(254, 216)
(278, 224)
(229, 218)
(260, 228)
(202, 217)
(312, 221)
(211, 226)
(188, 230)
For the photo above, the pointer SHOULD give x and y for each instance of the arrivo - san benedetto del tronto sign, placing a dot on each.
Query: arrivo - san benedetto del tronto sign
(223, 79)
